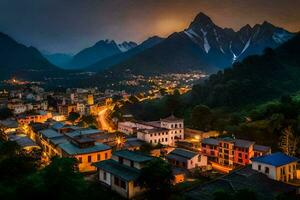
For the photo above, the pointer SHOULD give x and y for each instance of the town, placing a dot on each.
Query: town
(77, 124)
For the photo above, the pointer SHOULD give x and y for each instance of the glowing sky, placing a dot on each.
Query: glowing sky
(70, 25)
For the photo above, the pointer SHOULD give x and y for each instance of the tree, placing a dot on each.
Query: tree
(163, 91)
(157, 177)
(133, 99)
(73, 116)
(201, 117)
(88, 120)
(288, 142)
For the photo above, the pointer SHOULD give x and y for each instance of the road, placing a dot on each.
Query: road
(102, 119)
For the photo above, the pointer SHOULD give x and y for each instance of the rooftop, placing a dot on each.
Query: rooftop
(211, 141)
(72, 149)
(257, 147)
(243, 143)
(171, 118)
(117, 169)
(50, 133)
(276, 159)
(183, 153)
(9, 123)
(245, 178)
(131, 155)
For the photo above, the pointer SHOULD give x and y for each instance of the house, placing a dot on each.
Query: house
(227, 153)
(166, 131)
(23, 141)
(175, 125)
(86, 151)
(156, 136)
(37, 117)
(121, 172)
(244, 178)
(7, 127)
(186, 159)
(277, 166)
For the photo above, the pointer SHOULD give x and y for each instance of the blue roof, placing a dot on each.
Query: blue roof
(72, 149)
(125, 172)
(132, 155)
(276, 159)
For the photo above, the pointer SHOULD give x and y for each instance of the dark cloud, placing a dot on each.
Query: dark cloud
(70, 25)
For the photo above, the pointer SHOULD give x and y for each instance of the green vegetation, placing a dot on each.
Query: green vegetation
(73, 116)
(251, 100)
(21, 177)
(157, 177)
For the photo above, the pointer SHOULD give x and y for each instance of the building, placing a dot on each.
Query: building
(156, 136)
(63, 140)
(120, 173)
(226, 153)
(166, 131)
(244, 178)
(37, 117)
(277, 166)
(90, 99)
(130, 128)
(86, 151)
(7, 127)
(175, 125)
(186, 159)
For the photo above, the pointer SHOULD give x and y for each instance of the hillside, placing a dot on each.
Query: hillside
(18, 60)
(118, 58)
(97, 52)
(257, 78)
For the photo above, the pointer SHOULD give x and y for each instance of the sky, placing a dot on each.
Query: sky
(70, 25)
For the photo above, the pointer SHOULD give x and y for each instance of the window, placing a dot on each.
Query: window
(98, 157)
(131, 163)
(104, 176)
(246, 156)
(267, 170)
(121, 160)
(106, 156)
(116, 180)
(80, 159)
(259, 167)
(123, 184)
(89, 159)
(150, 141)
(150, 135)
(135, 184)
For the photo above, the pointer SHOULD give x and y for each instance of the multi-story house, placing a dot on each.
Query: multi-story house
(166, 131)
(175, 125)
(121, 172)
(229, 152)
(277, 166)
(38, 117)
(156, 136)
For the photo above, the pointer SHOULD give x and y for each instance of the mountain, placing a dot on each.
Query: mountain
(99, 51)
(115, 59)
(256, 79)
(19, 60)
(59, 59)
(204, 46)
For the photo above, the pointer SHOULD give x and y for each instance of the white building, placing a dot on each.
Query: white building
(131, 127)
(277, 166)
(175, 125)
(121, 172)
(157, 136)
(186, 159)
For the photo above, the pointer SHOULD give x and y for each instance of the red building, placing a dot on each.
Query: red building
(230, 152)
